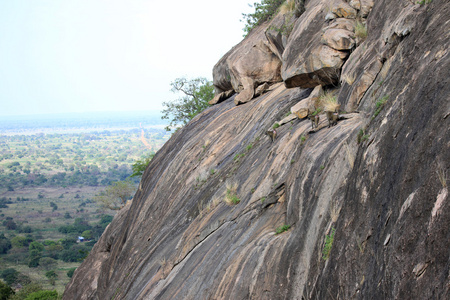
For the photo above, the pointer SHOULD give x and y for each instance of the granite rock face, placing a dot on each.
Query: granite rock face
(377, 181)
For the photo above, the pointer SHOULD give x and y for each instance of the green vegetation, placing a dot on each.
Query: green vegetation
(360, 31)
(238, 156)
(48, 181)
(231, 197)
(70, 272)
(317, 111)
(380, 105)
(282, 229)
(43, 295)
(422, 2)
(263, 12)
(141, 164)
(275, 126)
(5, 291)
(196, 95)
(328, 244)
(362, 136)
(116, 195)
(94, 159)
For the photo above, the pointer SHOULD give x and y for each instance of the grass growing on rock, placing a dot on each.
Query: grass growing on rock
(231, 197)
(360, 31)
(282, 228)
(328, 244)
(380, 105)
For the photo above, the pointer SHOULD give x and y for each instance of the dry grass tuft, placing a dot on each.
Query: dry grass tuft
(360, 31)
(334, 211)
(287, 6)
(442, 175)
(328, 101)
(349, 78)
(231, 193)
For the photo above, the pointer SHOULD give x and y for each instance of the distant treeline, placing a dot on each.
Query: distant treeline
(85, 159)
(90, 176)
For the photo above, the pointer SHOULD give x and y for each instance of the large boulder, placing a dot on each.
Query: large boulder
(248, 65)
(307, 61)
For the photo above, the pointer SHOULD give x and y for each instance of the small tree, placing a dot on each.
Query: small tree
(115, 196)
(197, 93)
(48, 263)
(140, 165)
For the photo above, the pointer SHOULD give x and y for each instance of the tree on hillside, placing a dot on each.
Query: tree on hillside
(140, 165)
(116, 195)
(196, 94)
(263, 12)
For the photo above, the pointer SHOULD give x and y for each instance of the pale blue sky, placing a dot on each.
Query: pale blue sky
(108, 55)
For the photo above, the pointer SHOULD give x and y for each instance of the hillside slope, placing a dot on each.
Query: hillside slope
(377, 181)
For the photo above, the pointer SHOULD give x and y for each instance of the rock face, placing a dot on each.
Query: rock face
(366, 200)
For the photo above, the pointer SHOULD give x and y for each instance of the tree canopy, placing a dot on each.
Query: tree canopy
(263, 11)
(196, 95)
(140, 165)
(116, 195)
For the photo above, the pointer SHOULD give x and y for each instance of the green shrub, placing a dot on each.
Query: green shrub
(231, 197)
(70, 272)
(9, 275)
(282, 229)
(43, 295)
(380, 105)
(328, 244)
(362, 136)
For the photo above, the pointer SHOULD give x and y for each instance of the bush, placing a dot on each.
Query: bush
(43, 295)
(10, 224)
(75, 254)
(282, 228)
(25, 291)
(70, 272)
(52, 276)
(5, 291)
(9, 275)
(328, 244)
(5, 244)
(47, 263)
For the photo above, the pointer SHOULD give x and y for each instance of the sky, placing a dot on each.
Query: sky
(65, 56)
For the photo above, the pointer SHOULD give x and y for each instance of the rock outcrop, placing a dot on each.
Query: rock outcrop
(364, 203)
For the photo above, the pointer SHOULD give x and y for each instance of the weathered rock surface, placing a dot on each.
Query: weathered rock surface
(251, 63)
(383, 193)
(307, 62)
